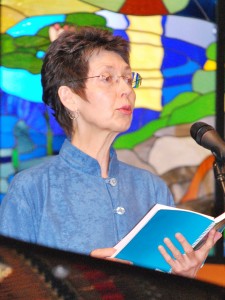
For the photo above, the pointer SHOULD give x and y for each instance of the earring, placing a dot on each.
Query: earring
(74, 115)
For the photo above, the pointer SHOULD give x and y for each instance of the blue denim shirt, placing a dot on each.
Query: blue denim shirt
(66, 204)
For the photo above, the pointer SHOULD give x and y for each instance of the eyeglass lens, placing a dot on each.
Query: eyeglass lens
(136, 80)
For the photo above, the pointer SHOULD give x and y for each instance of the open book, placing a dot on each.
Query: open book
(140, 245)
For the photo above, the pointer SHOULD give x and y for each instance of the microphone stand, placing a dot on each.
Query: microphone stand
(219, 173)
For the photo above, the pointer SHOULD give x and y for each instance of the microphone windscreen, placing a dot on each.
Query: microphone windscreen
(198, 130)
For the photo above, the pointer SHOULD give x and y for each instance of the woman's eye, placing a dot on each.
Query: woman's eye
(128, 80)
(107, 78)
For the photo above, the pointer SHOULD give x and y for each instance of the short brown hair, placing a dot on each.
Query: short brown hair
(67, 60)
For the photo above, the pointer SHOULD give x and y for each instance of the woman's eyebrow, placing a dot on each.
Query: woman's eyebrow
(109, 67)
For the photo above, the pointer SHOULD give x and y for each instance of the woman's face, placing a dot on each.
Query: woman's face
(110, 98)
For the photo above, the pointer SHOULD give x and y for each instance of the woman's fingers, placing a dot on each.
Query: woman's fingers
(102, 252)
(188, 249)
(106, 253)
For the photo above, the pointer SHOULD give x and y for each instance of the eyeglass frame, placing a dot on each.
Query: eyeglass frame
(134, 75)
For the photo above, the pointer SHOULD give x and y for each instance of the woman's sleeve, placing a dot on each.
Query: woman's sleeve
(17, 218)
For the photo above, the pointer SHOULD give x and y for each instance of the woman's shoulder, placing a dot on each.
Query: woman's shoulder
(38, 170)
(138, 174)
(136, 170)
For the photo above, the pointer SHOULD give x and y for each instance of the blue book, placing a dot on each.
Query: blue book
(140, 245)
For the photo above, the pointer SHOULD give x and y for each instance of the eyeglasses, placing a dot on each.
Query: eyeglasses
(134, 80)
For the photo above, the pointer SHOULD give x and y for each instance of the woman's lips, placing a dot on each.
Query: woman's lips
(126, 109)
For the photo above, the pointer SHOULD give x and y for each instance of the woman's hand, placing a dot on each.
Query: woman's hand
(106, 253)
(189, 263)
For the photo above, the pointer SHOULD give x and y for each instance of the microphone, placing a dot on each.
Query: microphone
(206, 136)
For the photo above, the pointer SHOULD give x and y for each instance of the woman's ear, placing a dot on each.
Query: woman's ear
(67, 97)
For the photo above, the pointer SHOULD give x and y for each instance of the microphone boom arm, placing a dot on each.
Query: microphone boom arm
(219, 173)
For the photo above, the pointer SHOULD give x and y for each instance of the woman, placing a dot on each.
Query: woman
(84, 199)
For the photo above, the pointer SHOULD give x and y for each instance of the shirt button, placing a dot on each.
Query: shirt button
(113, 182)
(120, 210)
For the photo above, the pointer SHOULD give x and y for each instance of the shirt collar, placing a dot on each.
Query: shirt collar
(75, 158)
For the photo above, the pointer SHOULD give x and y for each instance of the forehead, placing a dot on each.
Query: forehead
(108, 60)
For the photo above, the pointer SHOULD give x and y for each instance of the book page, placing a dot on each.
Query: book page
(220, 222)
(219, 226)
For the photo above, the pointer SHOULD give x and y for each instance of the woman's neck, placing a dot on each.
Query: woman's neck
(97, 147)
